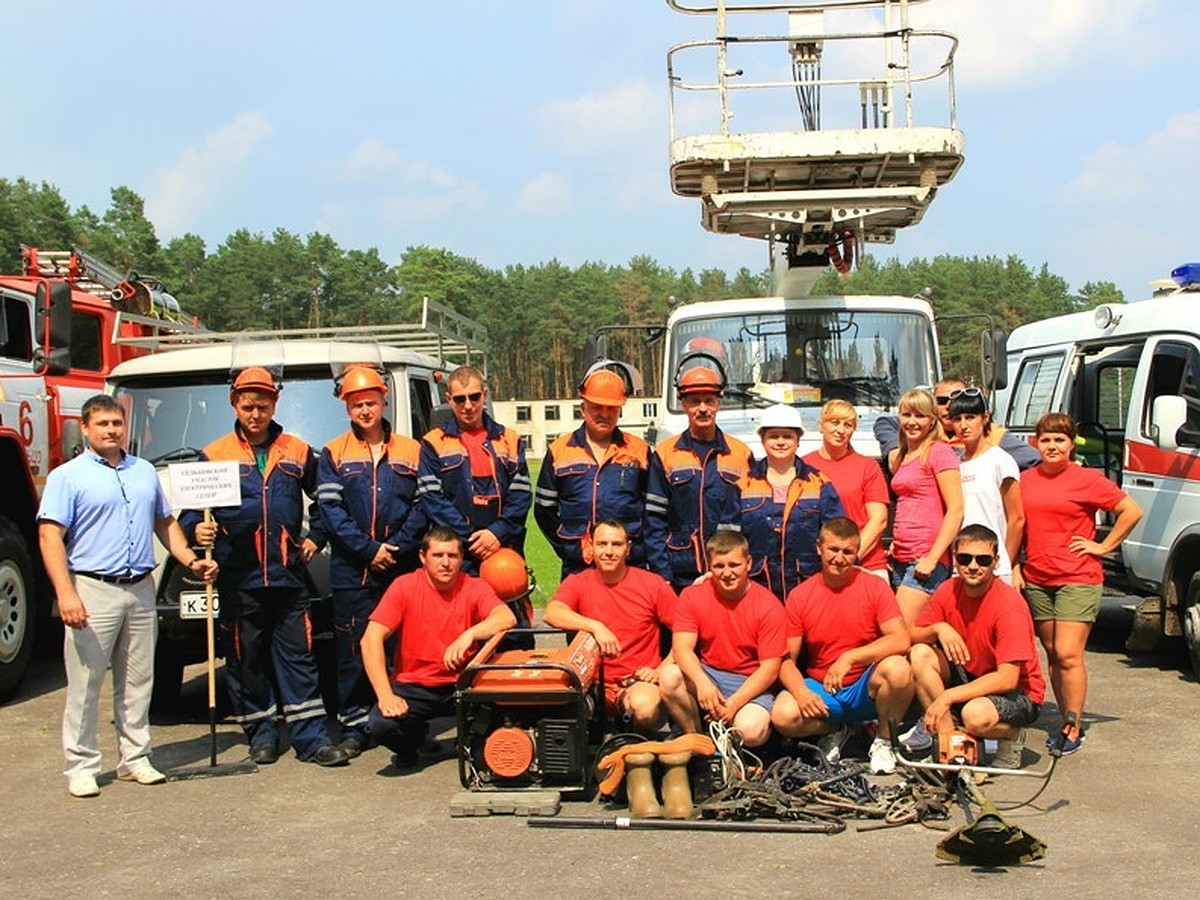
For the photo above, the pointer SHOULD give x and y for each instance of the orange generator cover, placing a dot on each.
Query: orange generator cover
(522, 670)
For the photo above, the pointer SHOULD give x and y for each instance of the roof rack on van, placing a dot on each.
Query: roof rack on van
(442, 333)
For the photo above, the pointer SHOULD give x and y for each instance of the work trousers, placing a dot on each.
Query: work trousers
(352, 609)
(120, 632)
(409, 730)
(267, 632)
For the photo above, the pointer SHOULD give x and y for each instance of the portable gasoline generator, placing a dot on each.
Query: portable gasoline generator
(524, 716)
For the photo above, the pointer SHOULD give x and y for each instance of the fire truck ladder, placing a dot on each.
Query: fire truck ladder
(128, 292)
(855, 168)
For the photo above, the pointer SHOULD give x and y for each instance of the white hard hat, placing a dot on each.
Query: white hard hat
(780, 416)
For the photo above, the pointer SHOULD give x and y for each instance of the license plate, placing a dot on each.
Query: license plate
(194, 605)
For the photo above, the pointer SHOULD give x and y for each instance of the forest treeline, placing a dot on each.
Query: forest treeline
(538, 315)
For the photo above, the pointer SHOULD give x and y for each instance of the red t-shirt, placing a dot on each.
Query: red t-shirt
(482, 463)
(429, 622)
(1057, 507)
(633, 608)
(859, 481)
(833, 620)
(732, 635)
(996, 628)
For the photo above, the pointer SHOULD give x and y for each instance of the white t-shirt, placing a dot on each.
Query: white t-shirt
(982, 501)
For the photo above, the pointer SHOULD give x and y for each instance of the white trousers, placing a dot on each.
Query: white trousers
(121, 631)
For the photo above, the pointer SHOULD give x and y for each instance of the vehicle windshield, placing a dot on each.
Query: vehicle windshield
(172, 421)
(806, 357)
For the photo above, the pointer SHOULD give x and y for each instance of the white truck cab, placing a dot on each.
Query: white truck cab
(1129, 374)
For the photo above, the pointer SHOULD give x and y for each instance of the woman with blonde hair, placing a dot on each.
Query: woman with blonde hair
(929, 503)
(859, 481)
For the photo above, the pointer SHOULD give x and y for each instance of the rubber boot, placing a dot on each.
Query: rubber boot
(639, 786)
(676, 788)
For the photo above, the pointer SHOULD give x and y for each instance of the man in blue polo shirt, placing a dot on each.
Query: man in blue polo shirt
(95, 523)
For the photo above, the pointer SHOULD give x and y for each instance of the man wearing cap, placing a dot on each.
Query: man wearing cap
(594, 473)
(366, 492)
(96, 521)
(784, 503)
(693, 490)
(473, 478)
(264, 601)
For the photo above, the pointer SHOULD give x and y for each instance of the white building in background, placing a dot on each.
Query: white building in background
(540, 421)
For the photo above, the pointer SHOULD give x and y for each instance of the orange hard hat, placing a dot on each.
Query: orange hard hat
(710, 346)
(700, 380)
(361, 378)
(254, 378)
(505, 572)
(604, 387)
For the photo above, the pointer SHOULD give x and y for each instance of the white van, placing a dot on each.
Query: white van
(1129, 374)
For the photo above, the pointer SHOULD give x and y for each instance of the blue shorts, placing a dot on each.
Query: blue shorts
(904, 575)
(729, 682)
(852, 703)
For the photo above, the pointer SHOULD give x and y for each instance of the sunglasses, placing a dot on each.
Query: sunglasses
(943, 399)
(460, 399)
(983, 559)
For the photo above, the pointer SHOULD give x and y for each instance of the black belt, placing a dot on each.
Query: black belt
(114, 579)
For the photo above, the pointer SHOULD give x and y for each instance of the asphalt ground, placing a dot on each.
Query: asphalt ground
(1119, 819)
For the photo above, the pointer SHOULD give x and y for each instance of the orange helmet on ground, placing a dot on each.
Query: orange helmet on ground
(254, 378)
(505, 572)
(604, 387)
(361, 378)
(700, 380)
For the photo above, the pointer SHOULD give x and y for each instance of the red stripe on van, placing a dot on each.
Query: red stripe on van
(1150, 460)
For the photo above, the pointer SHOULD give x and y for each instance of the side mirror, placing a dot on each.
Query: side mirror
(995, 358)
(72, 439)
(52, 328)
(1168, 414)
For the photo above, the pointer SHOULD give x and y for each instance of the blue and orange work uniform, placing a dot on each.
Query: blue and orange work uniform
(365, 502)
(575, 490)
(264, 600)
(453, 493)
(783, 536)
(693, 491)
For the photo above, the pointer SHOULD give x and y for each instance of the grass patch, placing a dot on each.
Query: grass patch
(539, 555)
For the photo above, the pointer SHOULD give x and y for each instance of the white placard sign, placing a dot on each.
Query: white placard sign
(204, 485)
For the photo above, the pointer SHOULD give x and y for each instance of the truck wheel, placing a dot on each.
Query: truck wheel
(18, 617)
(1190, 619)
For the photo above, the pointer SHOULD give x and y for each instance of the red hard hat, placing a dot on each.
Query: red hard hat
(254, 378)
(505, 572)
(699, 380)
(362, 378)
(604, 387)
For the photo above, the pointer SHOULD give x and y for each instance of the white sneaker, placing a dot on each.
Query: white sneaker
(142, 773)
(83, 786)
(883, 760)
(830, 744)
(1009, 752)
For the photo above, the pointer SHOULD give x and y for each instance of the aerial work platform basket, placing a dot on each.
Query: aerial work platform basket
(856, 166)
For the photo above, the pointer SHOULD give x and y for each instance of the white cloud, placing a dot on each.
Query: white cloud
(176, 195)
(410, 189)
(545, 195)
(602, 124)
(1034, 40)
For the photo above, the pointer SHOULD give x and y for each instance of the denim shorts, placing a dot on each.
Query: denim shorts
(729, 682)
(904, 575)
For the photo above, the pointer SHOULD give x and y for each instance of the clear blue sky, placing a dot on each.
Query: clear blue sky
(520, 131)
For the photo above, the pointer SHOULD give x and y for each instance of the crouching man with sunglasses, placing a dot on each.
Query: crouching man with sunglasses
(472, 476)
(974, 655)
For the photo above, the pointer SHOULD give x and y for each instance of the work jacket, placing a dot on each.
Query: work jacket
(783, 536)
(448, 491)
(258, 542)
(365, 504)
(575, 490)
(688, 499)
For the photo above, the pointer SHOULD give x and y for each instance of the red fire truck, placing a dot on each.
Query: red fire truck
(61, 327)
